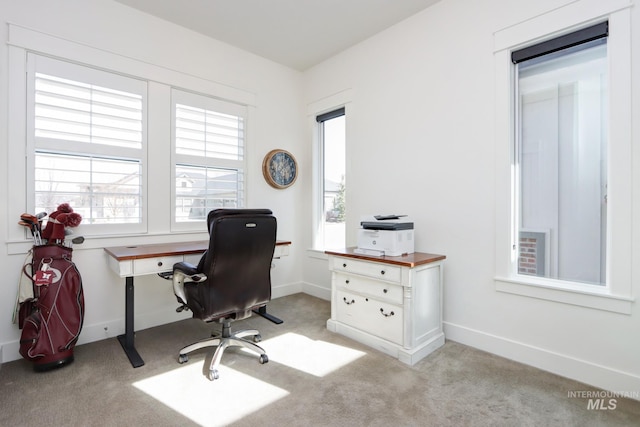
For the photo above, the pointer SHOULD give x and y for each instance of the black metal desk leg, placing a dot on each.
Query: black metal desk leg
(262, 311)
(126, 340)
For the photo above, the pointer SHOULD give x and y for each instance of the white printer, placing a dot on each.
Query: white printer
(390, 235)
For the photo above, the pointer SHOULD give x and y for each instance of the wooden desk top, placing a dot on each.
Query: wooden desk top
(125, 253)
(409, 260)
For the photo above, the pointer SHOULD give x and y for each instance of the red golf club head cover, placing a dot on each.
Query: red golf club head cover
(52, 222)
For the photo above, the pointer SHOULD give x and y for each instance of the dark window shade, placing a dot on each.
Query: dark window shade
(584, 35)
(330, 115)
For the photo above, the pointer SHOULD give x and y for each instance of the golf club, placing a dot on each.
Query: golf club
(40, 217)
(75, 241)
(35, 225)
(33, 229)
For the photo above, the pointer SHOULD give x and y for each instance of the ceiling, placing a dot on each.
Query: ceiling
(295, 33)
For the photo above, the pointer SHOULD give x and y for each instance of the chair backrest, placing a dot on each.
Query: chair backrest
(237, 264)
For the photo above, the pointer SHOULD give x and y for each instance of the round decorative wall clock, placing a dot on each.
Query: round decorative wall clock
(280, 168)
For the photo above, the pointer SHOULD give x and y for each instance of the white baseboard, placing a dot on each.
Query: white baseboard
(9, 351)
(97, 332)
(316, 291)
(284, 290)
(566, 366)
(89, 333)
(301, 287)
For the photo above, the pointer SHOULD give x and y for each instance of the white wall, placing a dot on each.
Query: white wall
(276, 121)
(421, 141)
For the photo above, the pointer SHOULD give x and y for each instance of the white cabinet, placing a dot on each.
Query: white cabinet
(393, 304)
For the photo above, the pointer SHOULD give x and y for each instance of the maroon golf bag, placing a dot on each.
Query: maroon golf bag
(52, 321)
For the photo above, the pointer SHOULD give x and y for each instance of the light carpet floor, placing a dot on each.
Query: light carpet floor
(314, 378)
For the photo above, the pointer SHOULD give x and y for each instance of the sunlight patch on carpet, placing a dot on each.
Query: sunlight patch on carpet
(187, 391)
(314, 357)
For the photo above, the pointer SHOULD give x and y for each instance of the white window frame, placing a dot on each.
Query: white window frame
(615, 296)
(331, 103)
(83, 73)
(160, 80)
(179, 96)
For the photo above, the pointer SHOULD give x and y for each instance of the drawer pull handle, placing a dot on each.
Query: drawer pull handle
(385, 290)
(344, 265)
(346, 281)
(386, 314)
(382, 272)
(348, 302)
(159, 263)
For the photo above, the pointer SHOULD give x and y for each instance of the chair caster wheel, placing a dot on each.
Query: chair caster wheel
(263, 359)
(213, 375)
(183, 358)
(257, 338)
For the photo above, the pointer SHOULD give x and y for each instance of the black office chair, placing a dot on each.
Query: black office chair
(232, 278)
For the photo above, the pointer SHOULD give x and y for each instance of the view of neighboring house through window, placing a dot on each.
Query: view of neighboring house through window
(208, 156)
(87, 133)
(561, 157)
(333, 139)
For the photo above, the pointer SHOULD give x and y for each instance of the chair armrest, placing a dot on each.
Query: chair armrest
(184, 272)
(186, 268)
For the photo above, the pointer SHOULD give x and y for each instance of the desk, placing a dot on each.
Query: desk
(140, 260)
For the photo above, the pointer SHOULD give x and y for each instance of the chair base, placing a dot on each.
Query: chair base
(227, 339)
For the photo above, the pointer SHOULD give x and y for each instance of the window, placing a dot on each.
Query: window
(208, 137)
(561, 157)
(590, 168)
(98, 130)
(87, 130)
(332, 139)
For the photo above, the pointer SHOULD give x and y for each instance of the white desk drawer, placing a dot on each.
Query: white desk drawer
(381, 290)
(372, 316)
(155, 265)
(376, 270)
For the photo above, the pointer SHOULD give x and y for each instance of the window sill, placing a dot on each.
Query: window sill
(578, 296)
(317, 253)
(17, 247)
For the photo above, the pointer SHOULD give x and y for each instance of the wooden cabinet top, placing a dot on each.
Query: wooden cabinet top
(409, 260)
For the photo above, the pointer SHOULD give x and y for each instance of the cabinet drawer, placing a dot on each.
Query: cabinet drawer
(382, 291)
(377, 270)
(370, 315)
(155, 265)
